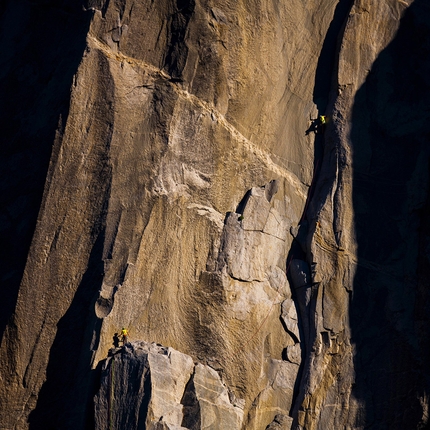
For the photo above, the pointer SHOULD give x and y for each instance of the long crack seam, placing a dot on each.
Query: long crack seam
(209, 108)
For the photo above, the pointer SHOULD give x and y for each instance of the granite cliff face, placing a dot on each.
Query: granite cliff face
(164, 170)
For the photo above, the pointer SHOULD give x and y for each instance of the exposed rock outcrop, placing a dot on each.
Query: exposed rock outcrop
(148, 386)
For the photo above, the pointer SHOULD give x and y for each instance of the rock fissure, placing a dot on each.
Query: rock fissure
(211, 110)
(285, 299)
(304, 294)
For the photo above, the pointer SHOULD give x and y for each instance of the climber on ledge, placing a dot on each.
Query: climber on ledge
(124, 335)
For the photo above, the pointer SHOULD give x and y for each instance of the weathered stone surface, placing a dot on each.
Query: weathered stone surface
(143, 385)
(284, 375)
(132, 130)
(280, 422)
(169, 375)
(150, 386)
(293, 353)
(253, 240)
(289, 316)
(276, 225)
(216, 411)
(278, 393)
(256, 210)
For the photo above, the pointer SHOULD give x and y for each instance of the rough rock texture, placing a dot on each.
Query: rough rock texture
(148, 386)
(366, 226)
(164, 171)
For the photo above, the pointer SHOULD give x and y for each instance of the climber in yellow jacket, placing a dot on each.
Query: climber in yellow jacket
(323, 122)
(124, 335)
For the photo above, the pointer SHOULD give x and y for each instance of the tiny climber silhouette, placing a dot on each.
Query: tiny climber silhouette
(317, 125)
(313, 128)
(116, 340)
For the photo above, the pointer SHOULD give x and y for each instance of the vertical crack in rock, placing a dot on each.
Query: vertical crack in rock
(348, 375)
(325, 78)
(178, 51)
(325, 75)
(301, 282)
(192, 412)
(300, 263)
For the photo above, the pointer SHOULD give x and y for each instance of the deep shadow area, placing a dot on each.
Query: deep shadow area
(325, 80)
(325, 72)
(390, 308)
(325, 77)
(192, 412)
(178, 51)
(144, 406)
(66, 398)
(42, 43)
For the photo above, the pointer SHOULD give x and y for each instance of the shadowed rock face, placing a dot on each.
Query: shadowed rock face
(371, 303)
(390, 302)
(164, 170)
(42, 47)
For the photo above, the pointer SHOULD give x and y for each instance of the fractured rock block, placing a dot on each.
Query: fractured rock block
(248, 255)
(124, 382)
(212, 395)
(283, 374)
(142, 384)
(278, 393)
(276, 225)
(278, 280)
(254, 239)
(280, 422)
(256, 210)
(169, 375)
(149, 386)
(293, 353)
(289, 317)
(207, 403)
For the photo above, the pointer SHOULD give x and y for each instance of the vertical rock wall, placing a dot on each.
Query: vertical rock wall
(191, 197)
(366, 368)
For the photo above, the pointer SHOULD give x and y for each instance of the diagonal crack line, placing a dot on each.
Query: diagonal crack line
(251, 146)
(261, 154)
